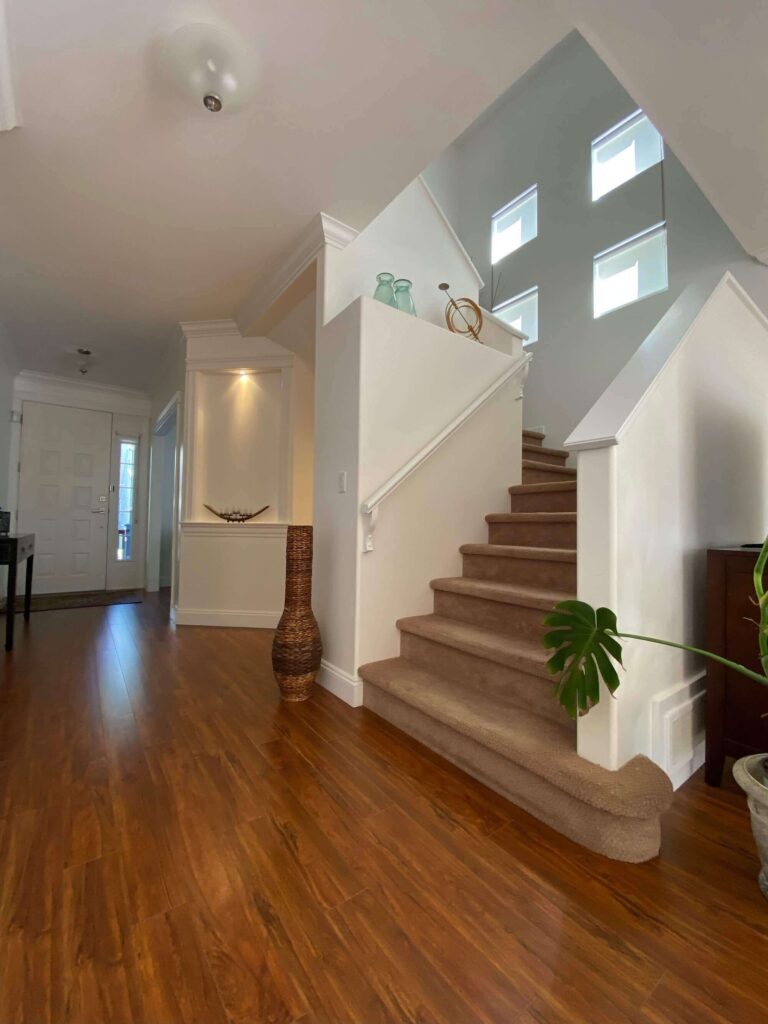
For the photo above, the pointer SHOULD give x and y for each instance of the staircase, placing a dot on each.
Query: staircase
(471, 681)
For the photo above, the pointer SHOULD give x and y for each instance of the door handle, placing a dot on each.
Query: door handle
(98, 511)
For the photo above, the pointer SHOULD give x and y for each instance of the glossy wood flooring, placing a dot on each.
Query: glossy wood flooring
(176, 846)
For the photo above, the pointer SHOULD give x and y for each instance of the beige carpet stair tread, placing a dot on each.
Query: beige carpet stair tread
(535, 435)
(531, 517)
(543, 747)
(549, 467)
(546, 488)
(535, 449)
(508, 593)
(516, 551)
(514, 651)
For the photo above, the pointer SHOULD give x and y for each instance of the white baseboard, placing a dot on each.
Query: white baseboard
(223, 617)
(678, 741)
(341, 684)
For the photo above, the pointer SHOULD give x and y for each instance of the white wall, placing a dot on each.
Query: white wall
(296, 333)
(387, 384)
(673, 459)
(540, 133)
(8, 369)
(410, 238)
(238, 451)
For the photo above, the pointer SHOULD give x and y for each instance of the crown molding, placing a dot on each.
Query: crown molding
(335, 233)
(9, 112)
(209, 328)
(47, 387)
(323, 230)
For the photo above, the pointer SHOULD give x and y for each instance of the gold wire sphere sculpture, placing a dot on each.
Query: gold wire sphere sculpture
(462, 316)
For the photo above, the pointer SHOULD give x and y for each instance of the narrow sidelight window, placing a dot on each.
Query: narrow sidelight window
(126, 500)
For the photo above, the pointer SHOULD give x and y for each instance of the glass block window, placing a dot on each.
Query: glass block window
(626, 150)
(630, 271)
(522, 313)
(515, 224)
(126, 499)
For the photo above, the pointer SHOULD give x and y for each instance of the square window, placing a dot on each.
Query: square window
(628, 149)
(522, 313)
(630, 271)
(514, 224)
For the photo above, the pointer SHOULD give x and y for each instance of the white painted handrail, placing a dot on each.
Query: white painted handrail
(371, 504)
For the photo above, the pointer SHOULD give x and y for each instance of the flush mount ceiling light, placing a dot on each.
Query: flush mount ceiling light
(212, 66)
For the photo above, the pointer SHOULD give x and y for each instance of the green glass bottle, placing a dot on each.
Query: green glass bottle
(384, 291)
(403, 296)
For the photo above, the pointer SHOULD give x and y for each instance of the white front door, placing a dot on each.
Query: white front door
(64, 495)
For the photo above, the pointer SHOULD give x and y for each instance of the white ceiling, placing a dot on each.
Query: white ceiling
(123, 211)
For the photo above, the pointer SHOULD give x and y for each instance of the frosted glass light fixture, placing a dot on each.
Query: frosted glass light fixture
(212, 66)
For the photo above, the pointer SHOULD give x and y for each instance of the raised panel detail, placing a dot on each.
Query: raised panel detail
(80, 562)
(50, 463)
(82, 497)
(45, 565)
(83, 464)
(48, 494)
(81, 530)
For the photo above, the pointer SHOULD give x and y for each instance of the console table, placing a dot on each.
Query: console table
(14, 548)
(735, 704)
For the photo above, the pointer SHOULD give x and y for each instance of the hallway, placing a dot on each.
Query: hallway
(177, 846)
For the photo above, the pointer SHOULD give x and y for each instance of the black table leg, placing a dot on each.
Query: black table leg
(10, 606)
(28, 591)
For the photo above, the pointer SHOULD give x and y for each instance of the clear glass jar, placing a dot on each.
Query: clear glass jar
(384, 291)
(403, 296)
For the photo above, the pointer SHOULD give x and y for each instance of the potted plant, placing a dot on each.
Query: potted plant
(585, 642)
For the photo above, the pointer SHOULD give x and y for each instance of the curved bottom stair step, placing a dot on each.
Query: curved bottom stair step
(525, 757)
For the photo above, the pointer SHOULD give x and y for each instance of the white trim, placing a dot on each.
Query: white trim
(30, 386)
(209, 328)
(193, 528)
(489, 314)
(612, 413)
(674, 703)
(234, 364)
(370, 505)
(171, 408)
(226, 618)
(323, 230)
(336, 233)
(9, 111)
(341, 684)
(452, 232)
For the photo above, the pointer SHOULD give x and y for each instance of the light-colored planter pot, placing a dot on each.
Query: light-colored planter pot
(750, 774)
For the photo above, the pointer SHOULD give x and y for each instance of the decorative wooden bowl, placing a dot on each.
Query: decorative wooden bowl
(235, 515)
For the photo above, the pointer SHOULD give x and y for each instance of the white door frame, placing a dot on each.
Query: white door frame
(171, 409)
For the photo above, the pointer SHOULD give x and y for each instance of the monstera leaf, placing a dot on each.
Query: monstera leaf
(584, 642)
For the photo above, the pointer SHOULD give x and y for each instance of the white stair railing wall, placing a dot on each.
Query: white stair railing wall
(672, 459)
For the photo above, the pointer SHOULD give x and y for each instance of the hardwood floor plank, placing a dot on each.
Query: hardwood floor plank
(176, 845)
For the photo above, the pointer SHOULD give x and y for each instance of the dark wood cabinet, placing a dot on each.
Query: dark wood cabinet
(735, 704)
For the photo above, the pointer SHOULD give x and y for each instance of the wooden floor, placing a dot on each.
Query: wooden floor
(176, 846)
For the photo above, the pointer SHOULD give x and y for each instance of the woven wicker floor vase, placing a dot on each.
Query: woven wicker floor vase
(297, 648)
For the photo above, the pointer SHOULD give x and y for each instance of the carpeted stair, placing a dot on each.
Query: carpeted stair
(471, 681)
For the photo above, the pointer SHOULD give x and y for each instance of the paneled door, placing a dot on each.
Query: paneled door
(64, 495)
